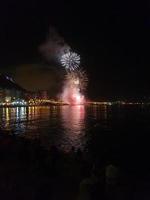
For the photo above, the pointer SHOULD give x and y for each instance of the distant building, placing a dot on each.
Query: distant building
(43, 94)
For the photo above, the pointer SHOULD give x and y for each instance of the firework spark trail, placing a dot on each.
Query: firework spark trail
(78, 77)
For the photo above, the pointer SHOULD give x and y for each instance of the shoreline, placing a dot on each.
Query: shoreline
(86, 104)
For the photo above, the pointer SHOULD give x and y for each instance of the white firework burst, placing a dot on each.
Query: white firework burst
(70, 61)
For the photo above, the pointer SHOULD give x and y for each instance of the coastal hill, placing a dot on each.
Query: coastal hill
(6, 82)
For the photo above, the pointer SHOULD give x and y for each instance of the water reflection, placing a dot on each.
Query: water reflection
(12, 117)
(64, 126)
(99, 112)
(7, 116)
(73, 122)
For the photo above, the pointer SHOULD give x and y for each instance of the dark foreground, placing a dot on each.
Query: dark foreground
(114, 166)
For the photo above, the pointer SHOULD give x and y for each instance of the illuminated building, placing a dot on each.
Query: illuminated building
(10, 92)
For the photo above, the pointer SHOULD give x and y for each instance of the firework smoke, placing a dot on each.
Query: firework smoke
(71, 93)
(54, 46)
(55, 49)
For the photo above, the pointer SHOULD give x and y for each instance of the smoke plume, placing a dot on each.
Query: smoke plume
(54, 46)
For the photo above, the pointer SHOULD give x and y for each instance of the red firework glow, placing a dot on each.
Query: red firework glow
(71, 93)
(75, 81)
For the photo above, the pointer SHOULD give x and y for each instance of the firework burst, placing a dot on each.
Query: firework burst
(70, 61)
(75, 80)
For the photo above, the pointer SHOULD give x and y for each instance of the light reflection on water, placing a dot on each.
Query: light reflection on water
(73, 122)
(64, 126)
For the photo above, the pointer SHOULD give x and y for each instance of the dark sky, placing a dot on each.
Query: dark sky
(112, 37)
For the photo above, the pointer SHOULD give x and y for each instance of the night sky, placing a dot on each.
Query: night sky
(112, 37)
